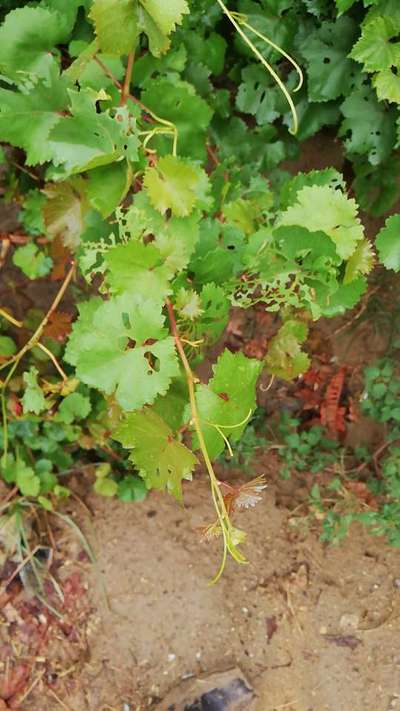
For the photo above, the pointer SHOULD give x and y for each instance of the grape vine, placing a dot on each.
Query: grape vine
(155, 209)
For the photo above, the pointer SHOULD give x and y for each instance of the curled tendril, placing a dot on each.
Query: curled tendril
(238, 20)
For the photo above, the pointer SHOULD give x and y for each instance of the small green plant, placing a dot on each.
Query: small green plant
(381, 397)
(304, 450)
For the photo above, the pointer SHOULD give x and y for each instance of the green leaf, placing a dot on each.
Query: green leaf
(336, 216)
(160, 458)
(132, 488)
(285, 359)
(27, 37)
(368, 126)
(120, 346)
(344, 5)
(74, 407)
(188, 304)
(105, 487)
(65, 209)
(291, 187)
(32, 261)
(360, 262)
(33, 399)
(256, 95)
(329, 70)
(7, 347)
(26, 119)
(388, 243)
(387, 85)
(31, 214)
(108, 186)
(158, 19)
(177, 102)
(88, 139)
(26, 480)
(176, 185)
(116, 25)
(227, 400)
(343, 299)
(140, 265)
(375, 49)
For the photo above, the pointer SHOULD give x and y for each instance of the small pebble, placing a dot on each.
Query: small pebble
(171, 657)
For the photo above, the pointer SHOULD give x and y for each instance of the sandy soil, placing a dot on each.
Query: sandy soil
(314, 628)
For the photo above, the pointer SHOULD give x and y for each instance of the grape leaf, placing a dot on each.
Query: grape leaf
(344, 298)
(256, 95)
(176, 185)
(329, 70)
(26, 37)
(336, 216)
(175, 238)
(388, 243)
(108, 186)
(177, 102)
(26, 119)
(227, 400)
(158, 19)
(65, 209)
(116, 25)
(162, 461)
(375, 49)
(368, 126)
(138, 265)
(285, 359)
(33, 399)
(360, 262)
(88, 139)
(290, 188)
(32, 261)
(344, 5)
(121, 346)
(387, 85)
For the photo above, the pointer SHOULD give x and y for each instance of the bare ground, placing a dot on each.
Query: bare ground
(314, 628)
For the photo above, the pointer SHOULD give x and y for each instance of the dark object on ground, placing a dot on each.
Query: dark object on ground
(227, 691)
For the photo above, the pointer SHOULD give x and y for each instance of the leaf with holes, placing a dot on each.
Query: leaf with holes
(160, 458)
(120, 346)
(226, 403)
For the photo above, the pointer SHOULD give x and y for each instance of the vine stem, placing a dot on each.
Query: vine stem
(218, 499)
(128, 76)
(263, 61)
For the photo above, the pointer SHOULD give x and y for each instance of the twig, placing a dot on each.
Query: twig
(53, 359)
(10, 318)
(356, 316)
(33, 341)
(64, 706)
(21, 566)
(128, 76)
(31, 688)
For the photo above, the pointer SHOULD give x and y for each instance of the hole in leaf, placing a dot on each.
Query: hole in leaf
(153, 362)
(327, 60)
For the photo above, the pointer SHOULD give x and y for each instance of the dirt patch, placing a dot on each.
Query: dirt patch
(312, 627)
